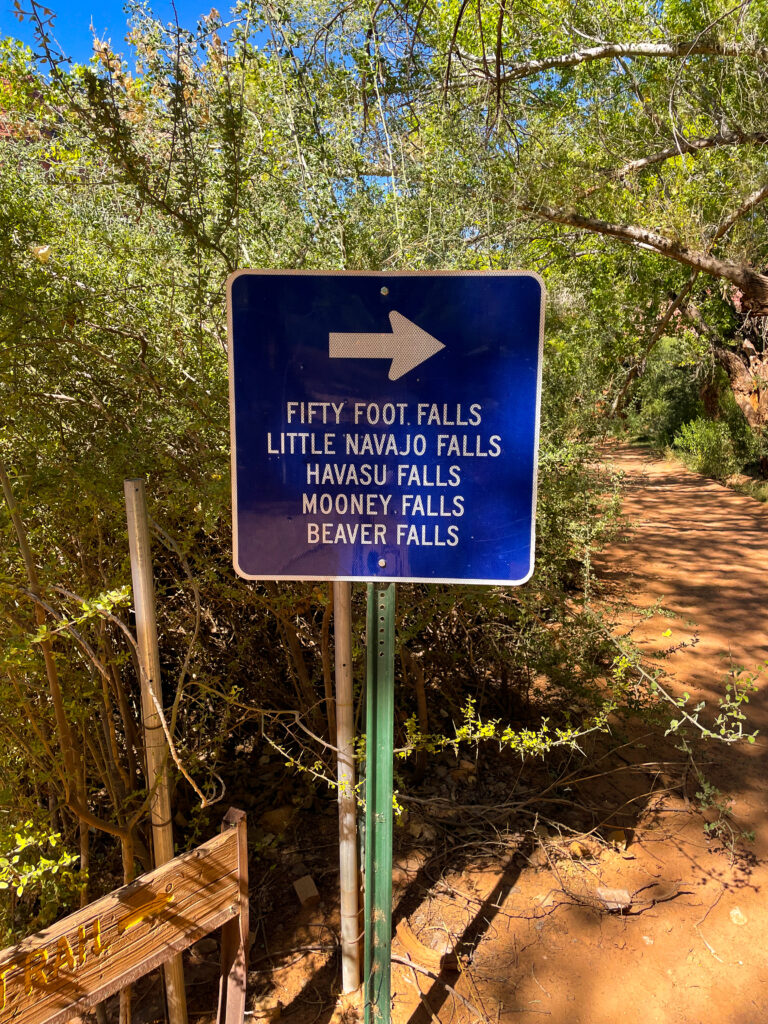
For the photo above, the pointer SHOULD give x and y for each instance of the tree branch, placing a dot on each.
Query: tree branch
(754, 285)
(749, 203)
(683, 146)
(70, 753)
(695, 48)
(658, 331)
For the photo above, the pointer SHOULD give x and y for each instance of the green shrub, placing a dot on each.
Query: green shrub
(667, 392)
(750, 444)
(707, 447)
(37, 879)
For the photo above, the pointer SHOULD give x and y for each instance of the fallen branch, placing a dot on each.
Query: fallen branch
(407, 962)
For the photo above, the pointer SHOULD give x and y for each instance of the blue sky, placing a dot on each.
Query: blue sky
(74, 17)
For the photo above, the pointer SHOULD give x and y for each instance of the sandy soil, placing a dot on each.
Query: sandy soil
(526, 931)
(693, 946)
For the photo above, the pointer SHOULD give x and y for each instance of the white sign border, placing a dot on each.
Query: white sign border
(381, 274)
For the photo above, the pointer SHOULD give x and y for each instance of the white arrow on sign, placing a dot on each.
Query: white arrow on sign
(406, 346)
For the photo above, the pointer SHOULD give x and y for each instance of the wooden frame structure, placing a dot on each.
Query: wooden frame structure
(93, 953)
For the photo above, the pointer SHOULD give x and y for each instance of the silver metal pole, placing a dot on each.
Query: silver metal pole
(345, 736)
(154, 739)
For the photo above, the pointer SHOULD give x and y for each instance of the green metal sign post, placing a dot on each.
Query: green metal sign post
(379, 730)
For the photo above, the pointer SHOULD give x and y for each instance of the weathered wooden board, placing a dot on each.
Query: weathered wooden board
(89, 955)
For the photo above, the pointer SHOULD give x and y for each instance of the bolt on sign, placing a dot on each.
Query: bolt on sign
(95, 952)
(385, 425)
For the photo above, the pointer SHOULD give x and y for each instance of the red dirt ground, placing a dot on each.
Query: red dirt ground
(535, 939)
(697, 954)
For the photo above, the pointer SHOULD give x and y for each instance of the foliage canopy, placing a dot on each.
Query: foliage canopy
(616, 148)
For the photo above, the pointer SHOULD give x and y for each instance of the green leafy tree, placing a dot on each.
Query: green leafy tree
(330, 136)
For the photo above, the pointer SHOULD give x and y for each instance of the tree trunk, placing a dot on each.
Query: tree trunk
(754, 288)
(325, 650)
(749, 383)
(414, 674)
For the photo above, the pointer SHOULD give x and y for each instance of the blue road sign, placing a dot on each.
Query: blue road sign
(385, 425)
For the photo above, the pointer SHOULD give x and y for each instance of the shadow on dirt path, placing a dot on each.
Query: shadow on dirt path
(538, 940)
(693, 561)
(437, 995)
(701, 551)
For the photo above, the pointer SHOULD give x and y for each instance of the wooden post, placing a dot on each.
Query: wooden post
(234, 935)
(345, 737)
(154, 739)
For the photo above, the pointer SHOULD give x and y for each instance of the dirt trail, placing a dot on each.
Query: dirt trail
(536, 940)
(693, 948)
(701, 551)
